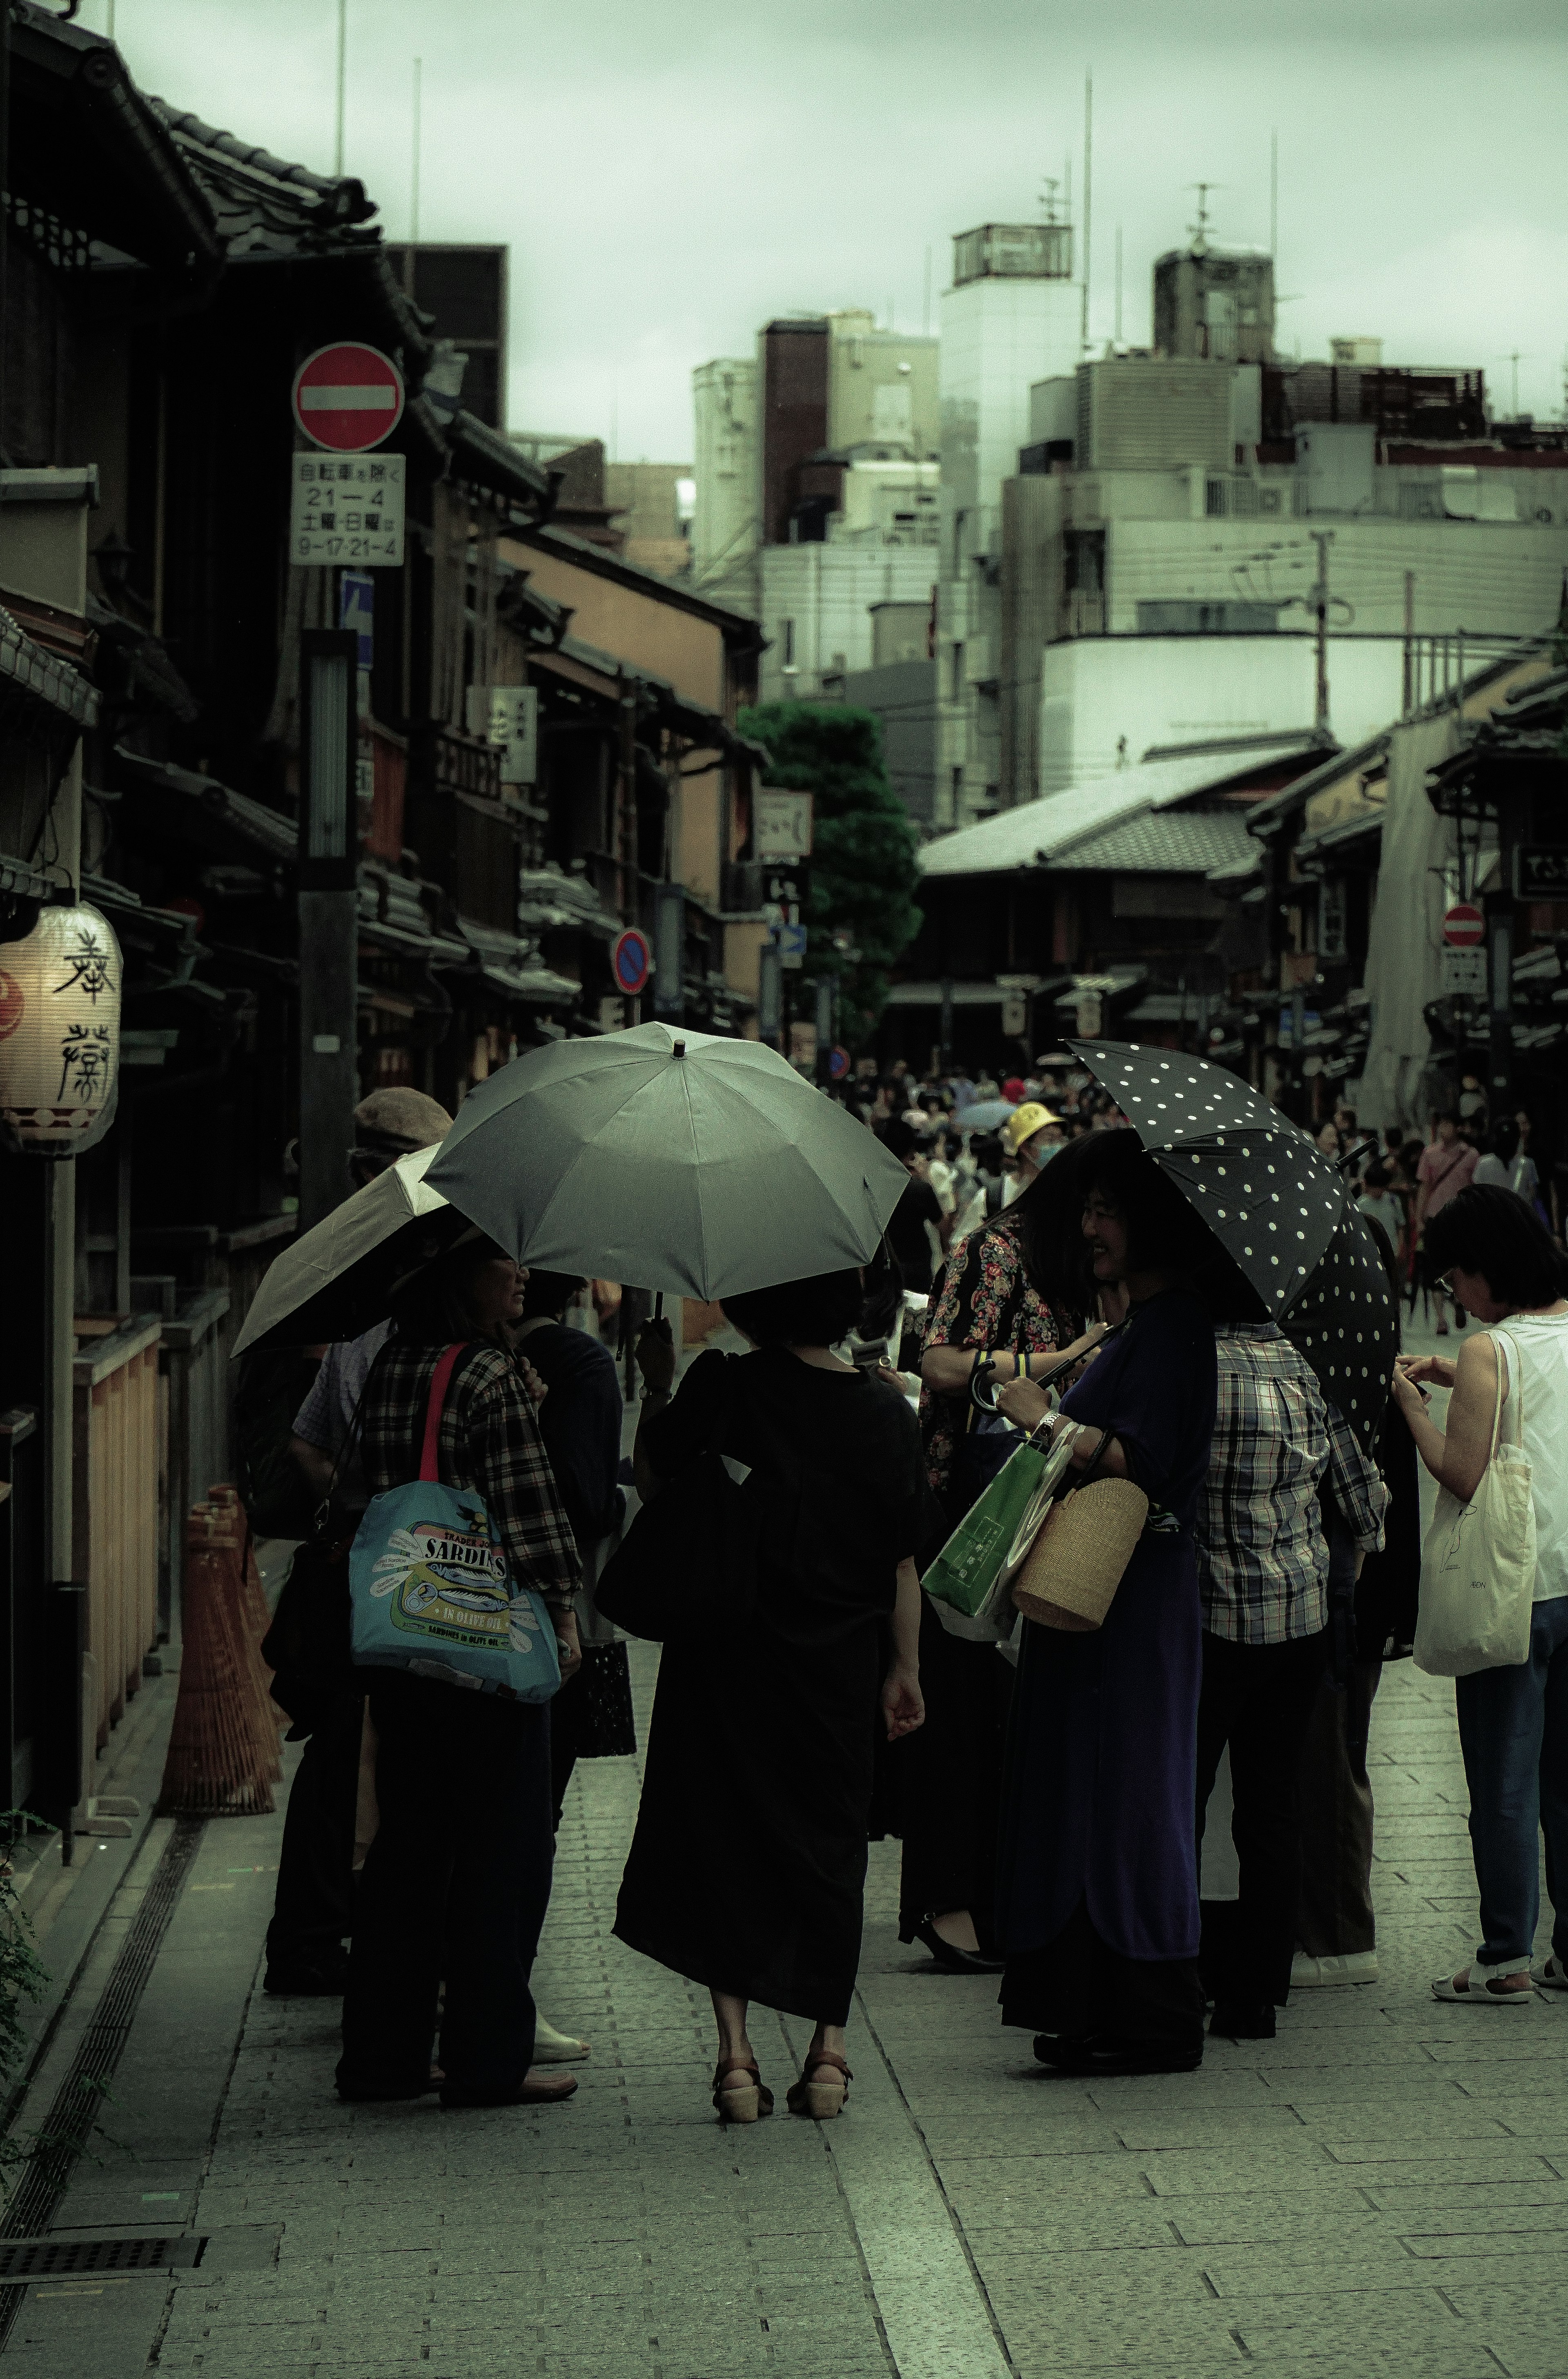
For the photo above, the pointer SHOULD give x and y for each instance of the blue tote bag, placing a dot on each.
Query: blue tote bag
(432, 1591)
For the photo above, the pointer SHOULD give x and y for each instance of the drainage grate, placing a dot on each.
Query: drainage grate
(68, 2125)
(32, 2258)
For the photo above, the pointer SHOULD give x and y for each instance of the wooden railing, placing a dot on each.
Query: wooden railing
(194, 1362)
(116, 1469)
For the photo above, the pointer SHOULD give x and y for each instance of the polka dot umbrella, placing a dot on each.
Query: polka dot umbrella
(1270, 1197)
(1346, 1323)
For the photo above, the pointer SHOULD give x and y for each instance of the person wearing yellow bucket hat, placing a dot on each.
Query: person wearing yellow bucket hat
(1030, 1137)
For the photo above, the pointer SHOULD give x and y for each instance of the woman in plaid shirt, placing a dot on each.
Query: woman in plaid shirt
(457, 1881)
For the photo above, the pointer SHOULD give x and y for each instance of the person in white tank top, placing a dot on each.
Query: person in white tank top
(1505, 1269)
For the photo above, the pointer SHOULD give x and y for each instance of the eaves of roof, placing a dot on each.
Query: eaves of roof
(740, 633)
(483, 456)
(1045, 833)
(600, 673)
(92, 148)
(30, 670)
(267, 830)
(243, 178)
(1335, 838)
(1269, 815)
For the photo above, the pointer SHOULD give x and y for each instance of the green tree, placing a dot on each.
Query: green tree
(863, 874)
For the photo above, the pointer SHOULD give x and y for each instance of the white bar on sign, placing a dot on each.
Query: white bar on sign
(344, 399)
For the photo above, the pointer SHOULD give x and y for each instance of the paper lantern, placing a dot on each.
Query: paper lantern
(60, 1033)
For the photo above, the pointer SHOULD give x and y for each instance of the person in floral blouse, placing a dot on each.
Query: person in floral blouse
(995, 1297)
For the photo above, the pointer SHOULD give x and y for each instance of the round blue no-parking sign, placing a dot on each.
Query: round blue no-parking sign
(631, 960)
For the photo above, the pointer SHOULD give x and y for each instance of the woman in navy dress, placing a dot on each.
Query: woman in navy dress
(1097, 1886)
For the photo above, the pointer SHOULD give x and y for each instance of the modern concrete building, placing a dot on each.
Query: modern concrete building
(1013, 314)
(1162, 543)
(819, 606)
(1215, 303)
(726, 521)
(831, 433)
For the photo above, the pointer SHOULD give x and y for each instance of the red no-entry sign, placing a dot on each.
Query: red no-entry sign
(348, 397)
(1463, 925)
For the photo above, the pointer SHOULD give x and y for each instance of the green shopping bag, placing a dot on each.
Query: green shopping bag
(965, 1572)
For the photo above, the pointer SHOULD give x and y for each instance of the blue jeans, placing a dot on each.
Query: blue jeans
(1513, 1732)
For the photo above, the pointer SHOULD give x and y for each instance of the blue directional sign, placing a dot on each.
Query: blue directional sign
(791, 945)
(356, 611)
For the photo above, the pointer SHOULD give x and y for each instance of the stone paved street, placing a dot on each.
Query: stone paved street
(1382, 2189)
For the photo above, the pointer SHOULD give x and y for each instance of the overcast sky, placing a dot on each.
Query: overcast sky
(670, 173)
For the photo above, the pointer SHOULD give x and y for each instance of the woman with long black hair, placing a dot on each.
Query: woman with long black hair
(1002, 1302)
(1097, 1889)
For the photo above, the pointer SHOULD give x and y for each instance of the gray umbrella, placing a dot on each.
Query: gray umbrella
(677, 1161)
(988, 1115)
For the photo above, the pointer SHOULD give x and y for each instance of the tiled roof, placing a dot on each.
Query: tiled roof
(1041, 833)
(1171, 842)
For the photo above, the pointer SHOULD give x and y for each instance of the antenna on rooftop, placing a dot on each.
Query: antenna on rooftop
(1199, 230)
(1048, 197)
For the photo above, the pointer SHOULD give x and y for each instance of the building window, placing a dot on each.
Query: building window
(789, 644)
(1215, 504)
(957, 790)
(958, 521)
(958, 688)
(1332, 919)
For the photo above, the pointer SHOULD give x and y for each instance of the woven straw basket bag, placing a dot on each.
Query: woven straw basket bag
(1076, 1563)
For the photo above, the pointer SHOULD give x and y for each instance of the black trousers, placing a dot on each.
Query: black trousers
(1080, 1989)
(566, 1740)
(1256, 1698)
(454, 1889)
(950, 1781)
(313, 1912)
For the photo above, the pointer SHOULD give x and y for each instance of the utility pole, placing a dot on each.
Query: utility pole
(1274, 197)
(1323, 538)
(626, 804)
(342, 83)
(414, 170)
(1408, 687)
(1088, 195)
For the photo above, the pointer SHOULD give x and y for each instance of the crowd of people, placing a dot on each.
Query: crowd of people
(1051, 1810)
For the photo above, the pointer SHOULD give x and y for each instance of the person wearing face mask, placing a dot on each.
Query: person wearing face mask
(1097, 1881)
(1030, 1137)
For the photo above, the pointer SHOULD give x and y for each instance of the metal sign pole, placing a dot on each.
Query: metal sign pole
(329, 939)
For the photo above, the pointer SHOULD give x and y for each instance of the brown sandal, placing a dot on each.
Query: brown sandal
(740, 2102)
(821, 2099)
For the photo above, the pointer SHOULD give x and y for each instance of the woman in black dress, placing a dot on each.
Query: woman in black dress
(747, 1869)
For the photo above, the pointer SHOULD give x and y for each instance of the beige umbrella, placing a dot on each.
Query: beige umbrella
(339, 1278)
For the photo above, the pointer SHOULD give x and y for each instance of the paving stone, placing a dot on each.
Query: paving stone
(1380, 2193)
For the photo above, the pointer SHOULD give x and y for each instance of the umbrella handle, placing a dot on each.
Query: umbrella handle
(658, 1306)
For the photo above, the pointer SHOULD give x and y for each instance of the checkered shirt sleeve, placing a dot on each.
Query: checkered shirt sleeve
(1357, 1484)
(1263, 1560)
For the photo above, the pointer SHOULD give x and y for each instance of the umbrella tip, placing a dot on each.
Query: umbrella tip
(679, 1050)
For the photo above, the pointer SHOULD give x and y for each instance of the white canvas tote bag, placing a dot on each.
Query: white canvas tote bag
(1479, 1560)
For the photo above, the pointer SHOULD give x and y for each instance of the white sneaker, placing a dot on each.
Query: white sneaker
(1549, 1976)
(1359, 1966)
(553, 2047)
